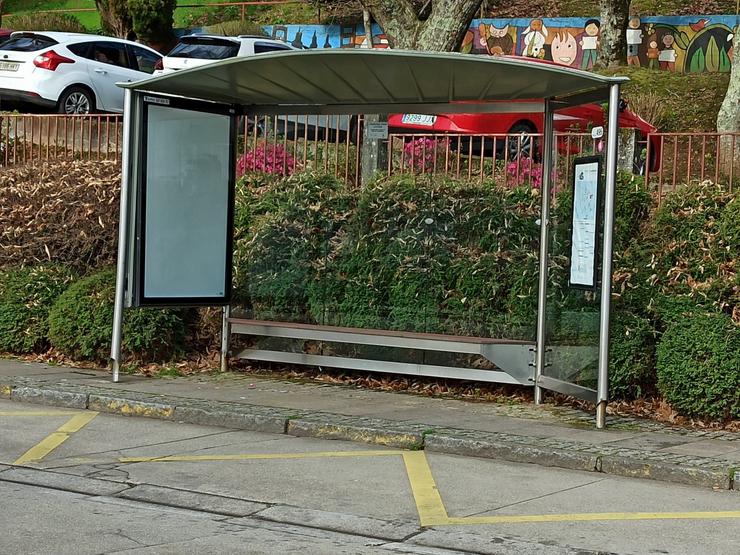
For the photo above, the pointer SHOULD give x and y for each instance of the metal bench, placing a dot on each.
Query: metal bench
(514, 358)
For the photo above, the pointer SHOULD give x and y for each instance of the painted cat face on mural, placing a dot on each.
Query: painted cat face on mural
(564, 49)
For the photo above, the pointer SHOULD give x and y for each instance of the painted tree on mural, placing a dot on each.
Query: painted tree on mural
(613, 39)
(437, 26)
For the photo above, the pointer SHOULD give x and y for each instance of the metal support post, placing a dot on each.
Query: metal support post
(225, 335)
(545, 191)
(606, 269)
(123, 227)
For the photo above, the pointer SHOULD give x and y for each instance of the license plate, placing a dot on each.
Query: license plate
(419, 119)
(9, 66)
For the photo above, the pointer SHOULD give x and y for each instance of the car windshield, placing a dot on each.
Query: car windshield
(205, 48)
(27, 43)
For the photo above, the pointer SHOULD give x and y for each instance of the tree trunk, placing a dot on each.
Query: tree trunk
(367, 22)
(728, 118)
(612, 37)
(115, 17)
(442, 31)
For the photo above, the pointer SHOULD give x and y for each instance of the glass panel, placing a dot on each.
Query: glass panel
(573, 313)
(413, 253)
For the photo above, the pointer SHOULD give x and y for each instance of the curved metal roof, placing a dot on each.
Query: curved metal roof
(376, 80)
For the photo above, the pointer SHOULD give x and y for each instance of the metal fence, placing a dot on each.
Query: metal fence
(32, 138)
(689, 157)
(286, 144)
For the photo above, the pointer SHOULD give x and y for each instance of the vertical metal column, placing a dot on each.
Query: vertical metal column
(123, 228)
(602, 394)
(225, 336)
(544, 249)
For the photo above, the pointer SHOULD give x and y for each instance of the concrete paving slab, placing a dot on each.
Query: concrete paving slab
(705, 448)
(186, 499)
(654, 441)
(340, 522)
(375, 487)
(53, 480)
(75, 524)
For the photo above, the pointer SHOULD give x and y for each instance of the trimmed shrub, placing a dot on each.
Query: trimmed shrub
(698, 362)
(64, 22)
(26, 296)
(632, 356)
(427, 253)
(60, 212)
(81, 321)
(685, 259)
(292, 222)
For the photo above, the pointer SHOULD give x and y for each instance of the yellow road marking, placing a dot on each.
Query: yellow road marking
(248, 457)
(429, 504)
(585, 517)
(35, 413)
(55, 439)
(428, 501)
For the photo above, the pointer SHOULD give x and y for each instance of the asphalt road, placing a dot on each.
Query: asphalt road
(80, 482)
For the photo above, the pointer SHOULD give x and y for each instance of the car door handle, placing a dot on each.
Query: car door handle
(98, 70)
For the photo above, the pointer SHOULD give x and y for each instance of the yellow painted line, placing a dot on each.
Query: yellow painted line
(55, 439)
(428, 501)
(586, 517)
(35, 413)
(262, 456)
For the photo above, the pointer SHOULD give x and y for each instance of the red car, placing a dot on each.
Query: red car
(476, 126)
(4, 34)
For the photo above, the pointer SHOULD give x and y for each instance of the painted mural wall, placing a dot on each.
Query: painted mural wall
(681, 43)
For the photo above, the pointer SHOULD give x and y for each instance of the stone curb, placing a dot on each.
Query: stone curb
(572, 455)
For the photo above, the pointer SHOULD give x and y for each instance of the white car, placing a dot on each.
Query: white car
(70, 72)
(196, 50)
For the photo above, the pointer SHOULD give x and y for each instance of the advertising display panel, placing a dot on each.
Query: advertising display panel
(185, 204)
(585, 222)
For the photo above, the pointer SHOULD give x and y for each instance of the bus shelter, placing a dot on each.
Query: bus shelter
(178, 180)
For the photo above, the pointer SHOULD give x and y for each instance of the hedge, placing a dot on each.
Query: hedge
(81, 320)
(698, 366)
(26, 296)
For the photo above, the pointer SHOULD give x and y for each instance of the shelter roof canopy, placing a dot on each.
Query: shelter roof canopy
(333, 80)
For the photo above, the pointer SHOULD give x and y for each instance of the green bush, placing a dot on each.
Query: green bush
(685, 258)
(632, 356)
(424, 253)
(698, 363)
(81, 322)
(153, 19)
(63, 22)
(632, 206)
(291, 223)
(26, 296)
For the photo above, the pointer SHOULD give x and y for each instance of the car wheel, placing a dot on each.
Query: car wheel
(520, 143)
(76, 100)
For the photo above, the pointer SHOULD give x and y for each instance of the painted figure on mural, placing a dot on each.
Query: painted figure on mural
(652, 52)
(590, 43)
(534, 39)
(634, 40)
(667, 56)
(564, 48)
(497, 42)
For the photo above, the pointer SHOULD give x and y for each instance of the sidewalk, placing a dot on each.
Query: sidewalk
(547, 435)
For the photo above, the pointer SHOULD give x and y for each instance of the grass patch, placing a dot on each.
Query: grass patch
(691, 101)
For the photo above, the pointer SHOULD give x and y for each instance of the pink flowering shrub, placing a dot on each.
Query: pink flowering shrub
(419, 154)
(526, 171)
(266, 158)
